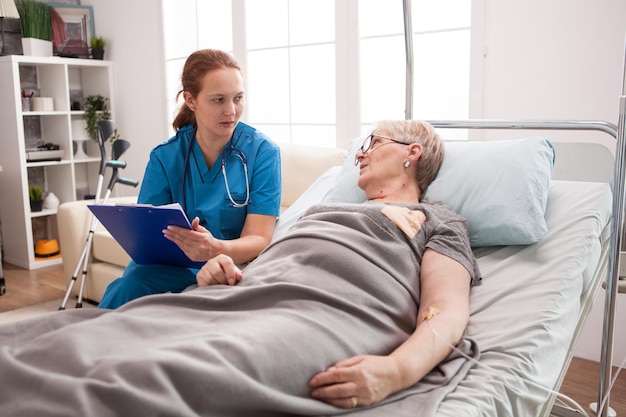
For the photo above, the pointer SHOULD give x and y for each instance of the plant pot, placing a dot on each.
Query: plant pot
(36, 205)
(92, 149)
(79, 129)
(36, 47)
(97, 54)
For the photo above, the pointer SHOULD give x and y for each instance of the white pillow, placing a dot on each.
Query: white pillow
(499, 187)
(313, 194)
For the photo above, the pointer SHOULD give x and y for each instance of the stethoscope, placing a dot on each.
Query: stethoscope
(231, 152)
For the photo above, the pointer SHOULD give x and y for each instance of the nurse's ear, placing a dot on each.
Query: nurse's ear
(190, 101)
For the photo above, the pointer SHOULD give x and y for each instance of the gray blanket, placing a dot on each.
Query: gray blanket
(339, 285)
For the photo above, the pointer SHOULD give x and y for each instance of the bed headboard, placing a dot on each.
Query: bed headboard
(583, 162)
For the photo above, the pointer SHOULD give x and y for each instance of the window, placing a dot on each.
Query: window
(321, 72)
(441, 46)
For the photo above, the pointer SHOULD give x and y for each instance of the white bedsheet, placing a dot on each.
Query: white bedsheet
(525, 311)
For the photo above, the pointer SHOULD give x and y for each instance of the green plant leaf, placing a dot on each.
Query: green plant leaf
(35, 20)
(35, 193)
(97, 42)
(96, 109)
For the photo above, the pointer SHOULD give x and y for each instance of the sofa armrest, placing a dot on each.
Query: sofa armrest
(73, 222)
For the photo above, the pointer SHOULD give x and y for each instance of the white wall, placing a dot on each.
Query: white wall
(133, 30)
(531, 59)
(556, 59)
(559, 60)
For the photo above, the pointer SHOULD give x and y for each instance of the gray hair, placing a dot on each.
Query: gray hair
(417, 131)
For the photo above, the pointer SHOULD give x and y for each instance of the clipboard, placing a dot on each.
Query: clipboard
(139, 230)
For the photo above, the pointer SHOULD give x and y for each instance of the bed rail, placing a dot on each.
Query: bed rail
(598, 125)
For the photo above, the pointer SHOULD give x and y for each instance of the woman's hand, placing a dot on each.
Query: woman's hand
(198, 243)
(356, 382)
(219, 270)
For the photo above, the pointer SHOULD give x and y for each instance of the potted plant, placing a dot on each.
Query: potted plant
(36, 198)
(96, 109)
(36, 26)
(97, 44)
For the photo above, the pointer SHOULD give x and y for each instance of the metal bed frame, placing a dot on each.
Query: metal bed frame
(618, 132)
(3, 288)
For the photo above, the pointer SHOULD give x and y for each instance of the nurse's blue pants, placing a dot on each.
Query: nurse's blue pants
(139, 280)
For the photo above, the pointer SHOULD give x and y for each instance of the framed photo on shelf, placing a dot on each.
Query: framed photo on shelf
(72, 29)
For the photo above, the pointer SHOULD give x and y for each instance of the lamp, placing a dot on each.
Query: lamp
(7, 9)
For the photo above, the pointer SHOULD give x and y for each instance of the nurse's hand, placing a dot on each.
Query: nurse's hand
(219, 270)
(198, 244)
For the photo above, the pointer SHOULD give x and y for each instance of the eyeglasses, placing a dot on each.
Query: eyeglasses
(370, 143)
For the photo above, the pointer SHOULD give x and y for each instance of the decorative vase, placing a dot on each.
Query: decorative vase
(36, 47)
(79, 137)
(79, 149)
(36, 205)
(51, 202)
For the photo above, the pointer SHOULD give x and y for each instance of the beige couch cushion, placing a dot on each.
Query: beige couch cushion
(106, 249)
(302, 165)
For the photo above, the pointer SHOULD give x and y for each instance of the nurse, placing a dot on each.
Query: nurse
(224, 173)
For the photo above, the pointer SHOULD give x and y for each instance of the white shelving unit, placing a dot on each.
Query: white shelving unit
(65, 80)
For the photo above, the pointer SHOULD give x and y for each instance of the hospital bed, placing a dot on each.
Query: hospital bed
(543, 244)
(528, 313)
(543, 247)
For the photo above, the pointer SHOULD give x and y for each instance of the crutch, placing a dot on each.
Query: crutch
(118, 148)
(105, 130)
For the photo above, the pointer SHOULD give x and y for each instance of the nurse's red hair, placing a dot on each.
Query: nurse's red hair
(196, 67)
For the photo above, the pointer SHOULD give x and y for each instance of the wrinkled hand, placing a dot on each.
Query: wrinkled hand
(219, 270)
(198, 244)
(356, 382)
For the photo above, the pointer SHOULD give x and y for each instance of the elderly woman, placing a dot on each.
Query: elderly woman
(331, 316)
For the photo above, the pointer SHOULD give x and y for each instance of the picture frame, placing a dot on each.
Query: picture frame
(72, 29)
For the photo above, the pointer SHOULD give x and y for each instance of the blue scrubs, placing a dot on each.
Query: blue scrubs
(205, 196)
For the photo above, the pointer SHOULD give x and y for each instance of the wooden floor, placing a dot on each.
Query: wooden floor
(26, 288)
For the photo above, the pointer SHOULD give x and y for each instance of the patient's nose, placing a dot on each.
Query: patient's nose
(358, 156)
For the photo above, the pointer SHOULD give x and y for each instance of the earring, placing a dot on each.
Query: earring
(407, 163)
(193, 108)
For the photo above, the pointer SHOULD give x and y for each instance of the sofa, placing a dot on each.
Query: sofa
(301, 167)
